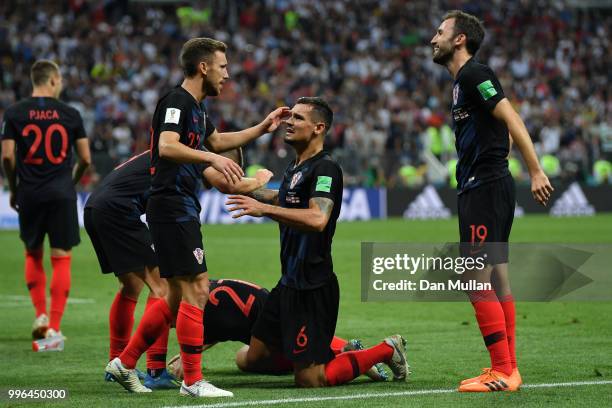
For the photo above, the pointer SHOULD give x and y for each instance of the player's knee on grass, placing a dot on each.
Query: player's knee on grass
(241, 358)
(257, 357)
(312, 376)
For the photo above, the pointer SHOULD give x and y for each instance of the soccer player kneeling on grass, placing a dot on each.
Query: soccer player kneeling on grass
(299, 316)
(231, 312)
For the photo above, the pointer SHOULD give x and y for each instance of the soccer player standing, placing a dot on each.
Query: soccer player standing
(123, 246)
(180, 131)
(482, 119)
(299, 316)
(38, 135)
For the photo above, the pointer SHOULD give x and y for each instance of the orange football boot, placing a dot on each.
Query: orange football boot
(490, 381)
(515, 376)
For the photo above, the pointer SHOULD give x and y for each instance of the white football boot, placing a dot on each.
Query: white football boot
(40, 326)
(125, 376)
(398, 364)
(203, 389)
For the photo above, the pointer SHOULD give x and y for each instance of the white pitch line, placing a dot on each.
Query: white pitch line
(10, 301)
(373, 395)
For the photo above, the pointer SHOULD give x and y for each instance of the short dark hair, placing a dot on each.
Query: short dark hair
(470, 26)
(321, 109)
(197, 50)
(42, 70)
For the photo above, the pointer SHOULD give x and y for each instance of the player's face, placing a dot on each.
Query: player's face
(301, 127)
(443, 42)
(216, 74)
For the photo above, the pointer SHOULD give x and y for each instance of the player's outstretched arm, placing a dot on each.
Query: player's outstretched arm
(540, 185)
(8, 164)
(313, 218)
(244, 186)
(82, 149)
(222, 142)
(265, 195)
(170, 148)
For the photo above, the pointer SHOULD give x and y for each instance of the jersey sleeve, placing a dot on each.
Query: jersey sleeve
(8, 130)
(482, 87)
(173, 114)
(80, 128)
(210, 128)
(327, 180)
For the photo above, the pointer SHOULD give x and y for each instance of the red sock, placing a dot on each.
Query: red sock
(156, 319)
(352, 364)
(490, 317)
(190, 335)
(156, 354)
(60, 287)
(36, 280)
(507, 304)
(120, 323)
(337, 345)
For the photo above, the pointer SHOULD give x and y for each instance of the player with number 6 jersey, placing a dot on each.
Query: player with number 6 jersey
(38, 136)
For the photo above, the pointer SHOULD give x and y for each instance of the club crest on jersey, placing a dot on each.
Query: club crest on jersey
(199, 255)
(295, 179)
(455, 94)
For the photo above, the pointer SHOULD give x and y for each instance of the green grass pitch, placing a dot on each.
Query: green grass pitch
(557, 342)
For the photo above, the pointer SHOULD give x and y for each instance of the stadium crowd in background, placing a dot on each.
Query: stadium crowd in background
(372, 63)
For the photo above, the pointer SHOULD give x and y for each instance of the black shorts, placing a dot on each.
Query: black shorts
(485, 220)
(179, 248)
(301, 323)
(57, 218)
(122, 245)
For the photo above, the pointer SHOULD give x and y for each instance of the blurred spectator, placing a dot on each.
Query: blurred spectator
(371, 59)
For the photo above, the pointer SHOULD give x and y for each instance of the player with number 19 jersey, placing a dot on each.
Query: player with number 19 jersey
(45, 131)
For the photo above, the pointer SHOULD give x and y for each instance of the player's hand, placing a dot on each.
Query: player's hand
(275, 118)
(229, 168)
(244, 205)
(13, 202)
(541, 188)
(263, 176)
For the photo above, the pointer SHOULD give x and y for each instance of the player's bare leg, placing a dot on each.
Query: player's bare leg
(60, 287)
(36, 281)
(258, 357)
(310, 375)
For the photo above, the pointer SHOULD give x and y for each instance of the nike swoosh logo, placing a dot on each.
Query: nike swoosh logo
(299, 351)
(474, 252)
